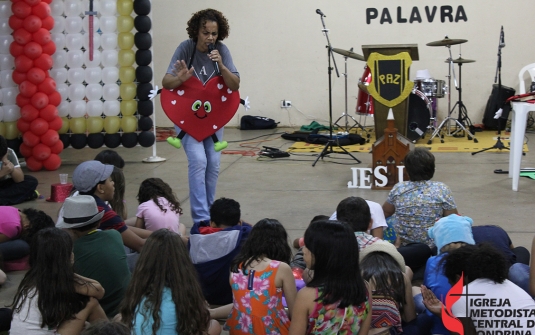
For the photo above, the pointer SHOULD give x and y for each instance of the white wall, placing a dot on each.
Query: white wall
(279, 49)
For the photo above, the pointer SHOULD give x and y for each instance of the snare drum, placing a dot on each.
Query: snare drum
(364, 99)
(431, 87)
(419, 117)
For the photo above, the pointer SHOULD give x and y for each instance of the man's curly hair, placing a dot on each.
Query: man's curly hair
(200, 18)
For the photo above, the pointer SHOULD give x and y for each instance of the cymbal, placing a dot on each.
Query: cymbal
(461, 60)
(446, 41)
(349, 54)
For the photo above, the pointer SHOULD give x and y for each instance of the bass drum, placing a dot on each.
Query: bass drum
(419, 117)
(364, 99)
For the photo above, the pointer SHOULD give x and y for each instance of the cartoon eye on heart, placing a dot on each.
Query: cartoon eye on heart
(201, 113)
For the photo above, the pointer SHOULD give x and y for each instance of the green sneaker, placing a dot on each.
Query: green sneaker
(218, 146)
(175, 141)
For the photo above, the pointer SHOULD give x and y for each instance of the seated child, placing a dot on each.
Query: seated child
(213, 246)
(377, 215)
(111, 157)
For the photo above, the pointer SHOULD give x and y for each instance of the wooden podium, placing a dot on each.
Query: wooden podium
(400, 109)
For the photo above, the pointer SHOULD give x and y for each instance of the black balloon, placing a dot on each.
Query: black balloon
(143, 41)
(143, 91)
(15, 145)
(112, 140)
(65, 138)
(145, 123)
(145, 108)
(146, 138)
(142, 23)
(78, 141)
(143, 57)
(95, 141)
(142, 7)
(144, 74)
(129, 140)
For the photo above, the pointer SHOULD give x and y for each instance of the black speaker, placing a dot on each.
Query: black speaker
(495, 102)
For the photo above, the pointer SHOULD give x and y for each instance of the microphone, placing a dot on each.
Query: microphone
(320, 12)
(216, 66)
(502, 39)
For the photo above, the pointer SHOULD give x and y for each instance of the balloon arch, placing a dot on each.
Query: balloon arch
(74, 73)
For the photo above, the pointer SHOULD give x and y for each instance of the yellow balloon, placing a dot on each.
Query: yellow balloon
(65, 126)
(12, 132)
(78, 125)
(95, 124)
(125, 40)
(128, 107)
(126, 57)
(112, 124)
(127, 74)
(125, 23)
(125, 7)
(128, 91)
(129, 124)
(2, 129)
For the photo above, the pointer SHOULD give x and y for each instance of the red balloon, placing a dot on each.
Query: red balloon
(18, 77)
(22, 100)
(33, 164)
(30, 139)
(28, 113)
(21, 9)
(48, 86)
(27, 89)
(22, 36)
(54, 98)
(41, 152)
(32, 2)
(49, 113)
(42, 36)
(39, 100)
(16, 49)
(32, 23)
(56, 148)
(53, 162)
(55, 124)
(48, 22)
(33, 50)
(25, 150)
(36, 75)
(50, 138)
(47, 1)
(41, 9)
(15, 22)
(49, 48)
(44, 62)
(39, 126)
(23, 126)
(23, 63)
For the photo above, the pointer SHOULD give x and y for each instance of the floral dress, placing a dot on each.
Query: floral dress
(329, 319)
(258, 305)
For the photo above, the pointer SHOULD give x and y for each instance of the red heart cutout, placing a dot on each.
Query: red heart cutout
(200, 110)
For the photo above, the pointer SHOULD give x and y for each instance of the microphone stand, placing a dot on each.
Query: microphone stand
(331, 142)
(499, 144)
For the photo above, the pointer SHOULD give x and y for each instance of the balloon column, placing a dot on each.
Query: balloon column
(32, 47)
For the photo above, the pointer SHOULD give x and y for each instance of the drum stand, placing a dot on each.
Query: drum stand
(345, 114)
(463, 113)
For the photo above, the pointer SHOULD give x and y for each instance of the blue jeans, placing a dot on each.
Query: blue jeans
(203, 171)
(519, 274)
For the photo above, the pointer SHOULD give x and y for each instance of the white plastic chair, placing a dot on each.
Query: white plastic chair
(518, 125)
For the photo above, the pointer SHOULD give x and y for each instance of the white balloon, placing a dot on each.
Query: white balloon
(112, 108)
(76, 75)
(94, 108)
(63, 109)
(59, 40)
(57, 7)
(93, 92)
(77, 108)
(5, 9)
(96, 24)
(73, 8)
(74, 41)
(59, 25)
(108, 41)
(96, 59)
(63, 90)
(73, 24)
(60, 59)
(107, 7)
(1, 96)
(76, 92)
(111, 92)
(110, 58)
(7, 62)
(59, 75)
(75, 58)
(110, 75)
(96, 41)
(108, 24)
(9, 95)
(5, 29)
(11, 113)
(5, 41)
(93, 75)
(1, 113)
(6, 78)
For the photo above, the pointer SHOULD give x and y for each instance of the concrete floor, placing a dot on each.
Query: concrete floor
(293, 191)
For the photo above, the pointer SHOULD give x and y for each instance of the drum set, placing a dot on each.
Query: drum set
(423, 100)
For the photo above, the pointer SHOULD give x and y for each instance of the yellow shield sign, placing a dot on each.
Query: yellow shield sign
(390, 83)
